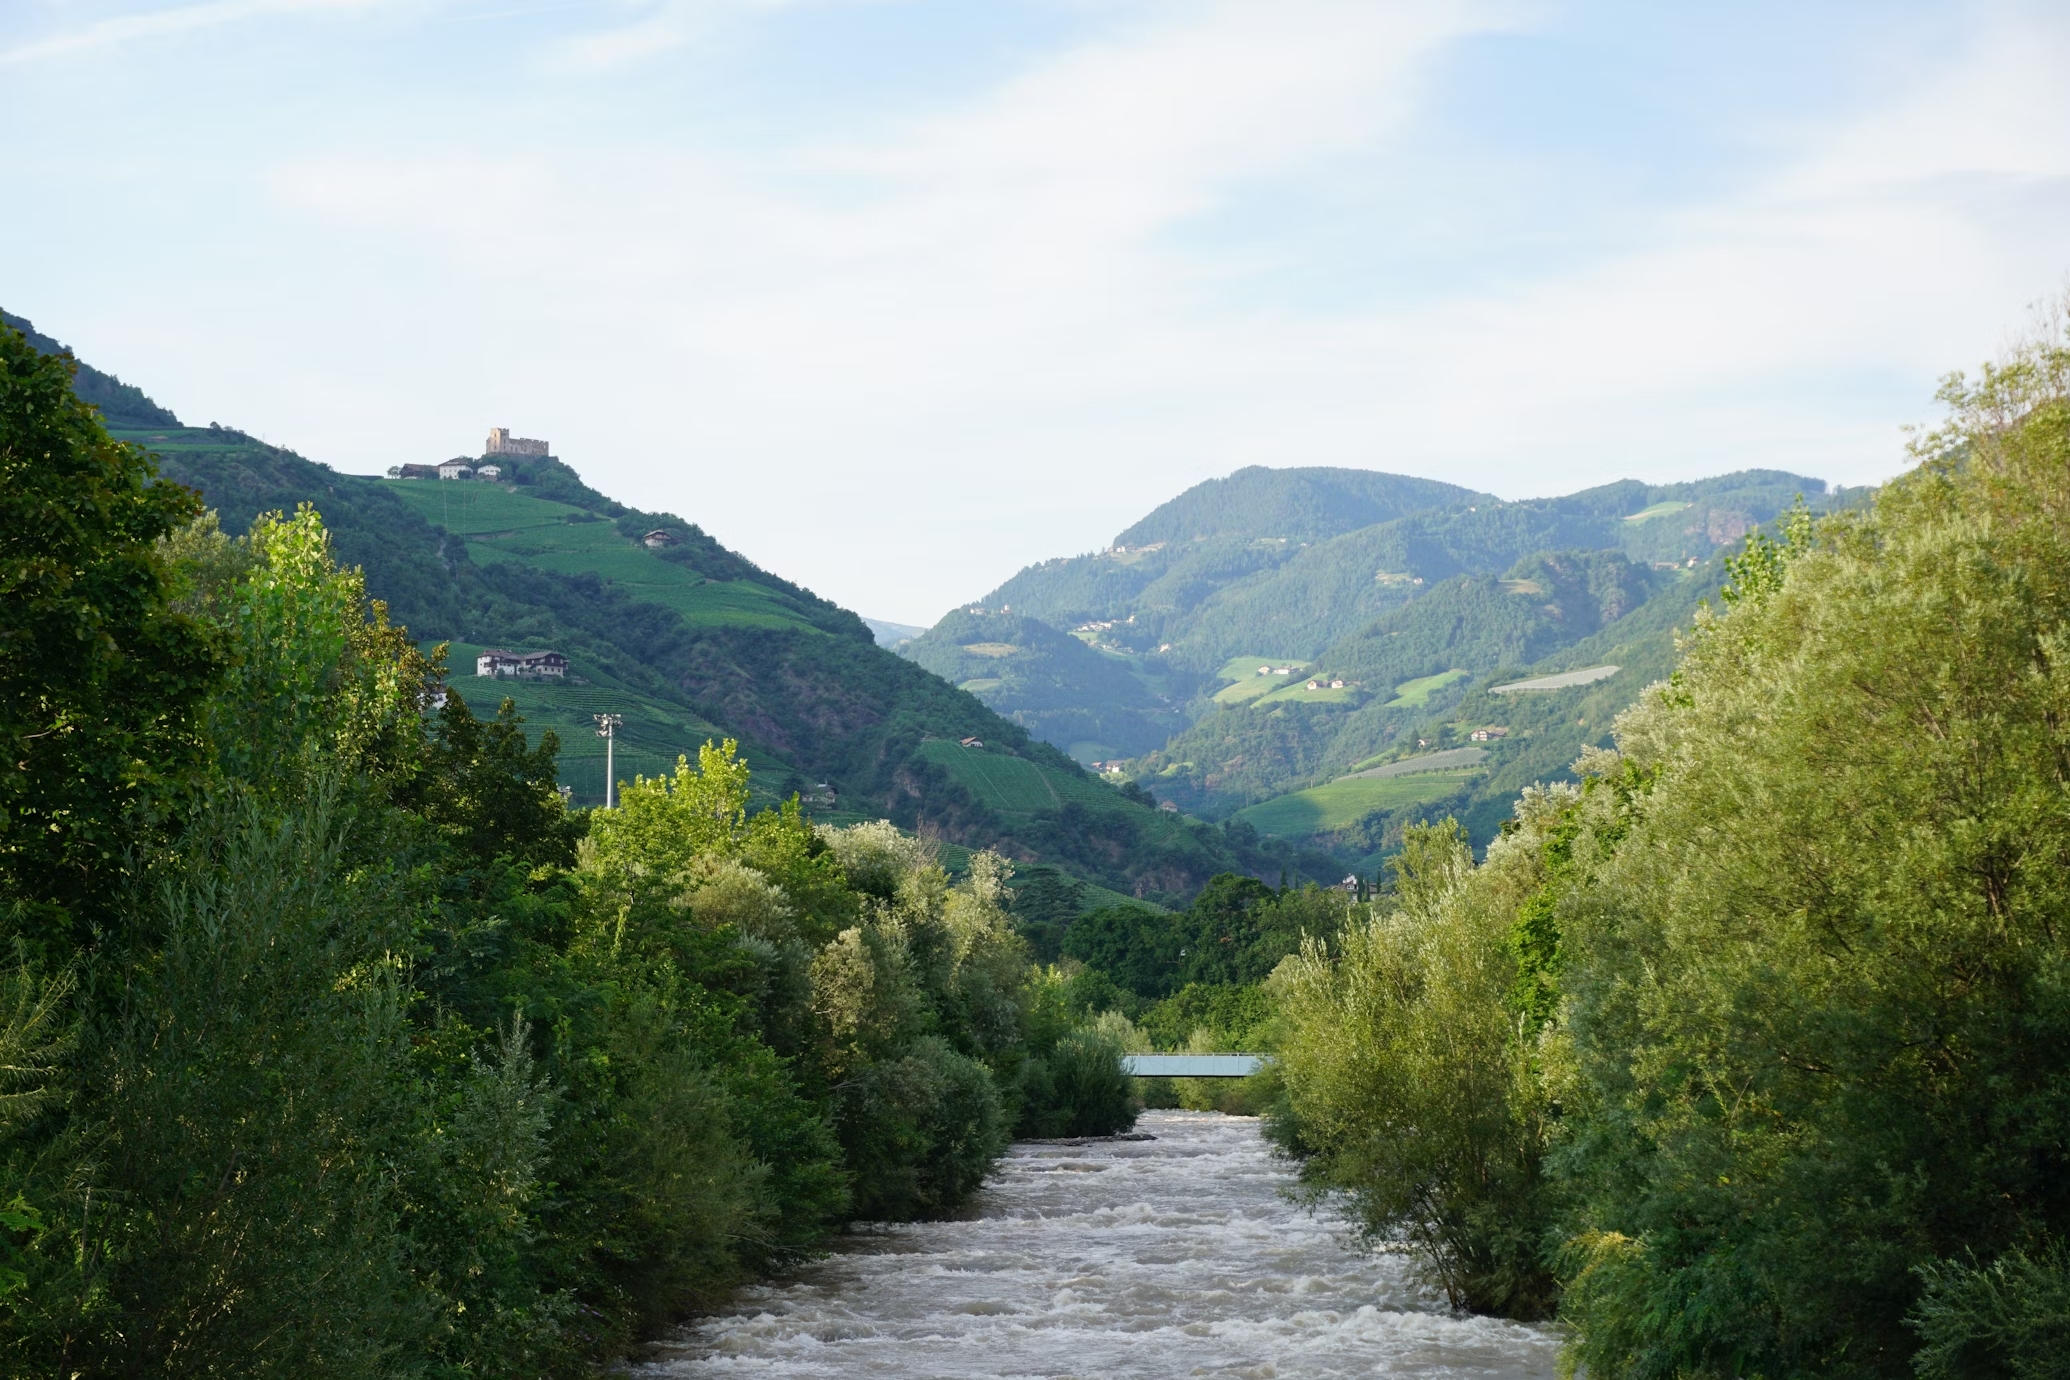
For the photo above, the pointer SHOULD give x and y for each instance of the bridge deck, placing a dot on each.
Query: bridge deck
(1191, 1065)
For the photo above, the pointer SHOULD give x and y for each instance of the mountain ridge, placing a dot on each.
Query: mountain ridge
(1402, 625)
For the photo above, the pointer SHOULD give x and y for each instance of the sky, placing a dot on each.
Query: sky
(897, 296)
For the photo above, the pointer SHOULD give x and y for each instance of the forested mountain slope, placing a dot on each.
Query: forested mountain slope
(688, 641)
(1298, 504)
(1403, 617)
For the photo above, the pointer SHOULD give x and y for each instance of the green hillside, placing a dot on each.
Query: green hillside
(655, 731)
(1417, 609)
(507, 524)
(1073, 692)
(1016, 785)
(688, 641)
(1211, 577)
(1411, 662)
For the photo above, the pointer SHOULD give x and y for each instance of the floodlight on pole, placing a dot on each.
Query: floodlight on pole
(607, 729)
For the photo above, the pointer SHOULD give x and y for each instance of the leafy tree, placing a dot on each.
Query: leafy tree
(1815, 996)
(101, 682)
(1407, 1084)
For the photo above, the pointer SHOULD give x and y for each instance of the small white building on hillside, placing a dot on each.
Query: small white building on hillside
(456, 469)
(521, 665)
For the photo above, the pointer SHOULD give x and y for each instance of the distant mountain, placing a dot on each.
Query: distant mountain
(1379, 609)
(891, 634)
(1061, 689)
(689, 641)
(1297, 504)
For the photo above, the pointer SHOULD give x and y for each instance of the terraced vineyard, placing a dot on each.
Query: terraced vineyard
(1015, 785)
(502, 524)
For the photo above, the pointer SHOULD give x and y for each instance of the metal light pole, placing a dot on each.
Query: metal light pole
(607, 729)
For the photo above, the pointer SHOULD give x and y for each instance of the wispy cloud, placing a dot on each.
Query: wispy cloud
(1012, 313)
(177, 19)
(651, 28)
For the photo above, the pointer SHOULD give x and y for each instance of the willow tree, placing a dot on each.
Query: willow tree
(1820, 998)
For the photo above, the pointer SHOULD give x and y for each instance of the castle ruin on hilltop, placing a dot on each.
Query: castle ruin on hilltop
(501, 442)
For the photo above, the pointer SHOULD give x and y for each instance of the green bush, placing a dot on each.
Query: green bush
(920, 1131)
(2009, 1320)
(1077, 1088)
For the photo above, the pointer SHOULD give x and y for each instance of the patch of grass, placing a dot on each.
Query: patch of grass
(990, 648)
(1341, 804)
(1657, 510)
(1414, 694)
(1245, 668)
(470, 508)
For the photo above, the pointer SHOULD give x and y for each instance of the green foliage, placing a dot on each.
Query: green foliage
(1409, 1086)
(1220, 1017)
(1812, 992)
(2009, 1320)
(921, 1131)
(101, 681)
(1234, 933)
(1750, 1050)
(1076, 1088)
(390, 1065)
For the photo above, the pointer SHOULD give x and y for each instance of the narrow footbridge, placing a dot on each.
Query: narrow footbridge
(1191, 1065)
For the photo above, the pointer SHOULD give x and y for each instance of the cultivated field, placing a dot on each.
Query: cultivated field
(1343, 803)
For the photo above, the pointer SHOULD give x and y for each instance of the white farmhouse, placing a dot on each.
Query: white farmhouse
(500, 664)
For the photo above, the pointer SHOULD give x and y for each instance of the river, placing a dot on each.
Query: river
(1176, 1256)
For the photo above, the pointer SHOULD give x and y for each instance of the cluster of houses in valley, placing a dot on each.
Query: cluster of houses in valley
(1110, 623)
(1489, 734)
(1335, 683)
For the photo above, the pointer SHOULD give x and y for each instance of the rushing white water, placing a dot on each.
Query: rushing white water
(1170, 1257)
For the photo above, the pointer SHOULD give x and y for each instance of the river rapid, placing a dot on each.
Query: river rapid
(1176, 1256)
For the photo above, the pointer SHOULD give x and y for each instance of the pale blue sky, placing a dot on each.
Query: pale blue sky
(897, 297)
